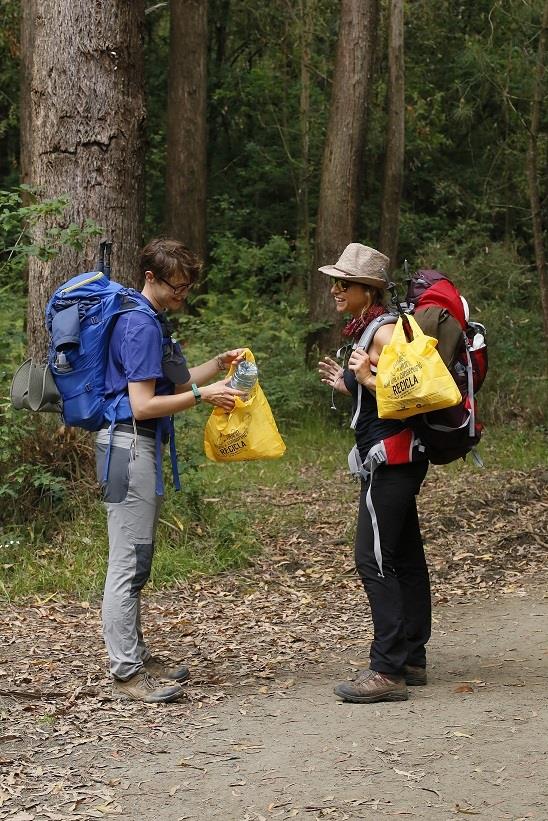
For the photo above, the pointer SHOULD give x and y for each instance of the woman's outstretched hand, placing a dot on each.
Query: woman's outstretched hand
(331, 374)
(221, 395)
(360, 363)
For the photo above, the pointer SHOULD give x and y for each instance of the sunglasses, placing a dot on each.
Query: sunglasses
(342, 285)
(177, 289)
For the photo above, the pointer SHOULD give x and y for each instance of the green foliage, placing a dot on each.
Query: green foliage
(254, 116)
(20, 210)
(469, 74)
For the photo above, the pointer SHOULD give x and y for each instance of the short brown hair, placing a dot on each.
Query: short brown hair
(166, 257)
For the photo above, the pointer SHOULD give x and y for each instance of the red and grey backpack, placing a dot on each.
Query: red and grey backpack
(434, 300)
(442, 312)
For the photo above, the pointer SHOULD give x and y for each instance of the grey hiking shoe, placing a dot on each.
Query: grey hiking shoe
(370, 686)
(142, 687)
(161, 669)
(415, 676)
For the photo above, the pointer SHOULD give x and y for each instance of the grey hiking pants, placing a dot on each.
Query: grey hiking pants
(132, 515)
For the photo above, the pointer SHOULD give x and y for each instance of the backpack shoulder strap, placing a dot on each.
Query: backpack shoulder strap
(367, 337)
(364, 342)
(129, 304)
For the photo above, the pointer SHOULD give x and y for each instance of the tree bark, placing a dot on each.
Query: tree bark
(532, 170)
(306, 18)
(395, 137)
(83, 133)
(338, 210)
(186, 180)
(27, 59)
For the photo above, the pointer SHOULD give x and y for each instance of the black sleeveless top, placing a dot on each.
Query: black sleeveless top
(369, 428)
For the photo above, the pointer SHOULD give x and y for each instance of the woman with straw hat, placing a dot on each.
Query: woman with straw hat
(392, 464)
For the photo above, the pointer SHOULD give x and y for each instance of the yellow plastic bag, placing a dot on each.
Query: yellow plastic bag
(245, 433)
(411, 376)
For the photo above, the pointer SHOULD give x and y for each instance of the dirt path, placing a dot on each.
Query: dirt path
(260, 734)
(473, 741)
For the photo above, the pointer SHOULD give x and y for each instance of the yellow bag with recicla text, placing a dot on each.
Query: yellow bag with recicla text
(411, 376)
(245, 433)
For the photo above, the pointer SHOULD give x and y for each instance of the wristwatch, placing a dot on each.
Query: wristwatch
(196, 392)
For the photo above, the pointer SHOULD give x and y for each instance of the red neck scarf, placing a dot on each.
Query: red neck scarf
(355, 328)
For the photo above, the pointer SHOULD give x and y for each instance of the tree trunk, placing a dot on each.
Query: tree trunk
(186, 178)
(532, 170)
(306, 31)
(338, 210)
(395, 137)
(83, 133)
(27, 60)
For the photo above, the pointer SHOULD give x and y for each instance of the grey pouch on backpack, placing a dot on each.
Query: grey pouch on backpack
(33, 388)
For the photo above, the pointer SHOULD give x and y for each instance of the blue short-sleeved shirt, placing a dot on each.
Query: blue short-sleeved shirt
(136, 352)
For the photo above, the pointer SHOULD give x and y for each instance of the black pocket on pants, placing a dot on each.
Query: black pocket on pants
(115, 489)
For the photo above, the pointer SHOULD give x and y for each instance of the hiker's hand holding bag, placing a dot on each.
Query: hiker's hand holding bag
(245, 433)
(411, 376)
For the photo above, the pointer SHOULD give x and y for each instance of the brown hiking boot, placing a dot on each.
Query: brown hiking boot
(371, 686)
(415, 676)
(161, 669)
(142, 687)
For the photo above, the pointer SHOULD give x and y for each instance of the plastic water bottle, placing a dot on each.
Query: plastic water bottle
(244, 377)
(62, 365)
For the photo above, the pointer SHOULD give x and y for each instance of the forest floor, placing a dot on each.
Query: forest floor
(259, 734)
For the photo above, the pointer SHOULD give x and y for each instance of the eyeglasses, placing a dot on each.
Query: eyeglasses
(177, 289)
(341, 285)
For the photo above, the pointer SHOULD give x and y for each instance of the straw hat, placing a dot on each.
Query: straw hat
(359, 263)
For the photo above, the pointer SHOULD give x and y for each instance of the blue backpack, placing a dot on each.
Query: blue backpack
(80, 316)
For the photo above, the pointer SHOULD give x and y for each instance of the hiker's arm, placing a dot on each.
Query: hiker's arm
(200, 374)
(331, 374)
(360, 361)
(146, 405)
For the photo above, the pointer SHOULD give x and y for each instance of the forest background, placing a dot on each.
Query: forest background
(266, 136)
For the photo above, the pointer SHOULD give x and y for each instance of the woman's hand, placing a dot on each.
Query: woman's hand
(360, 363)
(220, 395)
(226, 359)
(331, 374)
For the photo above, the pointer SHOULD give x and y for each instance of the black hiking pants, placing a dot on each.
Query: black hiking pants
(391, 563)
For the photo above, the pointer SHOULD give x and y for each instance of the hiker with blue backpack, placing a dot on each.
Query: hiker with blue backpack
(148, 378)
(389, 550)
(113, 367)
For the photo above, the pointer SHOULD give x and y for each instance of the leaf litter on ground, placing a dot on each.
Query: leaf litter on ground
(296, 607)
